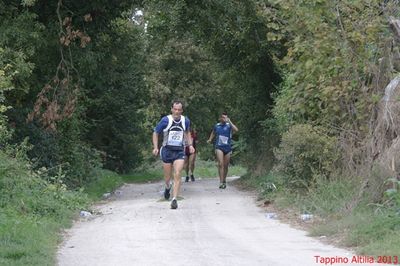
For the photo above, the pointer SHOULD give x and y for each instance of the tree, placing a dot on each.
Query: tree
(234, 36)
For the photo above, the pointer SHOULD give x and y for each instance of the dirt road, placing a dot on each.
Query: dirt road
(210, 227)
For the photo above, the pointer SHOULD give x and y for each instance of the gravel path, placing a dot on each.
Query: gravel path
(210, 227)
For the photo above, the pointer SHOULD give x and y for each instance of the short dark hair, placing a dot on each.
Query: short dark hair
(173, 102)
(224, 113)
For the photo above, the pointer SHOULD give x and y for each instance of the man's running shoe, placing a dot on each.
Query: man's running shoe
(187, 179)
(223, 185)
(167, 193)
(191, 178)
(174, 204)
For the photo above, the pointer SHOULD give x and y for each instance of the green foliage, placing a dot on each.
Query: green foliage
(305, 154)
(78, 159)
(206, 169)
(5, 133)
(378, 228)
(27, 240)
(329, 197)
(64, 150)
(267, 186)
(180, 69)
(32, 211)
(372, 233)
(105, 181)
(216, 56)
(387, 243)
(364, 229)
(103, 79)
(143, 176)
(203, 169)
(15, 53)
(331, 60)
(29, 194)
(115, 95)
(392, 194)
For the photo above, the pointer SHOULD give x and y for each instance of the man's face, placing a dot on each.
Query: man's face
(222, 118)
(176, 110)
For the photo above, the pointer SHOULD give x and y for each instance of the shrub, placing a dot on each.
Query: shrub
(29, 194)
(32, 211)
(392, 194)
(304, 153)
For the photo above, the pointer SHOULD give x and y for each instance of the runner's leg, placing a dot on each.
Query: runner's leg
(220, 160)
(192, 160)
(167, 167)
(227, 158)
(187, 167)
(178, 166)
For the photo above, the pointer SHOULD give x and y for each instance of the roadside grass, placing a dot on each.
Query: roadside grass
(27, 240)
(105, 181)
(375, 233)
(33, 211)
(32, 214)
(372, 230)
(368, 232)
(208, 169)
(203, 169)
(389, 247)
(143, 176)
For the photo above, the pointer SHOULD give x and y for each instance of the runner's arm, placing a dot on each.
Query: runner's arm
(189, 138)
(155, 143)
(235, 129)
(211, 137)
(157, 131)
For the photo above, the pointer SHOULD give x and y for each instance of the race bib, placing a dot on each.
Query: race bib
(175, 138)
(222, 140)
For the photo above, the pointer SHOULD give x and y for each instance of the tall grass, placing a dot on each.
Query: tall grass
(340, 212)
(105, 181)
(32, 213)
(34, 209)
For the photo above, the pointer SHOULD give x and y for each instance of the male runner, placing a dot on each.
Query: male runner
(175, 129)
(190, 158)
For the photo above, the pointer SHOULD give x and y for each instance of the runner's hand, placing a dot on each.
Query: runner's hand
(155, 152)
(191, 149)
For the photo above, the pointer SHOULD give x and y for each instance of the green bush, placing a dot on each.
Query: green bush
(51, 151)
(392, 194)
(29, 194)
(305, 153)
(268, 184)
(32, 211)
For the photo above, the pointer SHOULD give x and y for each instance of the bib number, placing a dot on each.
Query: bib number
(223, 140)
(175, 138)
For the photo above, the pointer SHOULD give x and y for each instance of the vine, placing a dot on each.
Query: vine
(58, 98)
